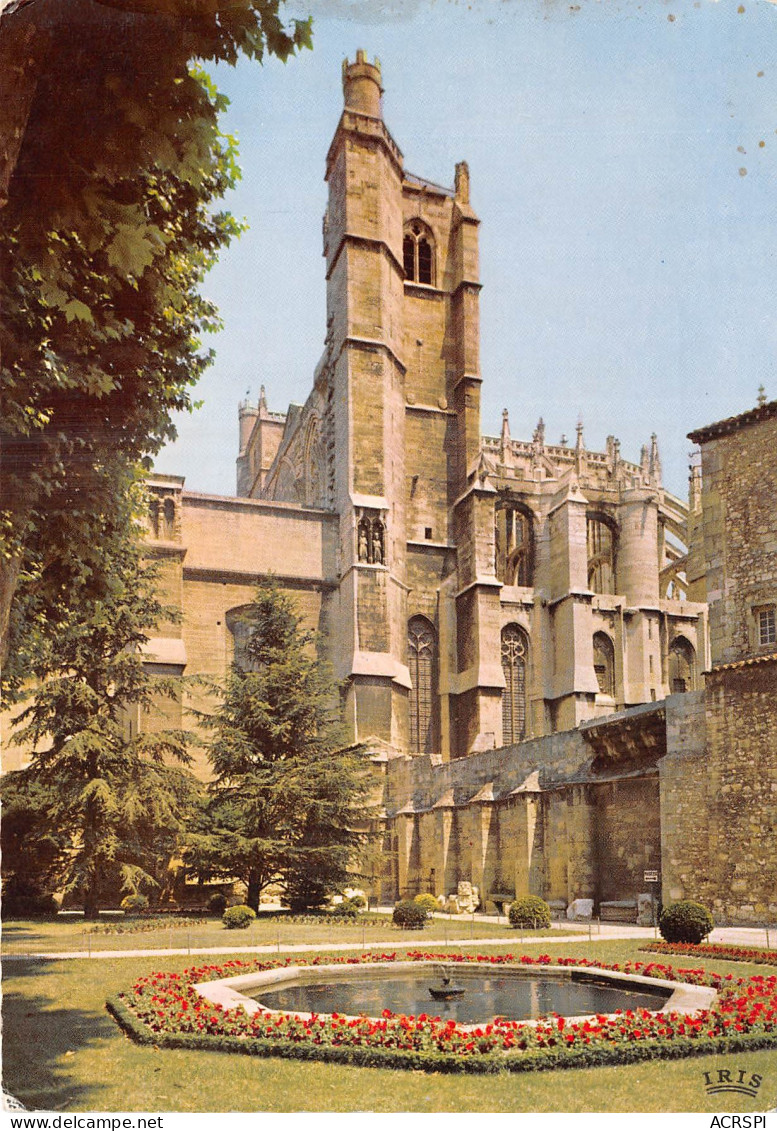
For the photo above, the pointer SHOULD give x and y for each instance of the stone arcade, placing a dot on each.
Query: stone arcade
(521, 627)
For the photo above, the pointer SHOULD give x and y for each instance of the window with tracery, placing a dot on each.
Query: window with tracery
(604, 663)
(514, 546)
(422, 663)
(682, 659)
(418, 253)
(767, 627)
(515, 656)
(600, 538)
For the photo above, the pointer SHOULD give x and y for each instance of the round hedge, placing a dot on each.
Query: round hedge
(529, 912)
(238, 918)
(347, 908)
(685, 922)
(217, 904)
(409, 915)
(427, 902)
(135, 903)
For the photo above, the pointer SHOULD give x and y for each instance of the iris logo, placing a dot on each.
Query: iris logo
(732, 1080)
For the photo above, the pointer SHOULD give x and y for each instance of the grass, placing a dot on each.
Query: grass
(62, 1052)
(68, 935)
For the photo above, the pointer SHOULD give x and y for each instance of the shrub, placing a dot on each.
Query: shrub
(347, 908)
(685, 922)
(217, 904)
(409, 915)
(238, 918)
(134, 904)
(428, 902)
(529, 912)
(20, 902)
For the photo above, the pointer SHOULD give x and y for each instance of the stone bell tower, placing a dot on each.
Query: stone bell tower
(365, 387)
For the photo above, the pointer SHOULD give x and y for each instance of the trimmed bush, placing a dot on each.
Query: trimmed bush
(529, 912)
(238, 918)
(217, 904)
(428, 902)
(347, 908)
(685, 922)
(409, 915)
(134, 904)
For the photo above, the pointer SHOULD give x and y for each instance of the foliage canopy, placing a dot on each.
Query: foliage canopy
(110, 163)
(104, 805)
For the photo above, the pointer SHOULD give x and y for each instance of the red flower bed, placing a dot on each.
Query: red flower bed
(167, 1007)
(716, 950)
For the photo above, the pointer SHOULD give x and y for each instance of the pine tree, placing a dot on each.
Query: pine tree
(289, 802)
(110, 802)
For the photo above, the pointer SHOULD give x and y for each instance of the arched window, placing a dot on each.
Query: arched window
(153, 516)
(604, 663)
(682, 662)
(600, 537)
(422, 662)
(418, 253)
(169, 513)
(514, 546)
(241, 630)
(515, 655)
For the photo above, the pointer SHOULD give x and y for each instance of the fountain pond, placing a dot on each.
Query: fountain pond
(515, 992)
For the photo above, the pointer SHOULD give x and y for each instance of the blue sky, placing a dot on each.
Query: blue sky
(622, 159)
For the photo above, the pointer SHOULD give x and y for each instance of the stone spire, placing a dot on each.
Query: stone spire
(462, 182)
(644, 463)
(655, 461)
(539, 435)
(579, 445)
(504, 439)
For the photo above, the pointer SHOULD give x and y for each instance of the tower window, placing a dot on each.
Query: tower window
(604, 664)
(514, 546)
(767, 627)
(682, 662)
(418, 254)
(515, 653)
(422, 662)
(600, 537)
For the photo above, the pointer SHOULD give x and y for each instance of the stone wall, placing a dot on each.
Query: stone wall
(539, 817)
(742, 800)
(739, 470)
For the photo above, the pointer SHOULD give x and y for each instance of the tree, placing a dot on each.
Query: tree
(111, 159)
(107, 805)
(288, 803)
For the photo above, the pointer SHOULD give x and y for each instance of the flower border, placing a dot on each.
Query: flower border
(755, 954)
(165, 1010)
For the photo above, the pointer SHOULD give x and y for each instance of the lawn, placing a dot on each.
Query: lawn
(68, 935)
(62, 1052)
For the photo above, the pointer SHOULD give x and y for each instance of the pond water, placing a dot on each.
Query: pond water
(486, 996)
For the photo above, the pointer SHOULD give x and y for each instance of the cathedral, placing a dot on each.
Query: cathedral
(521, 629)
